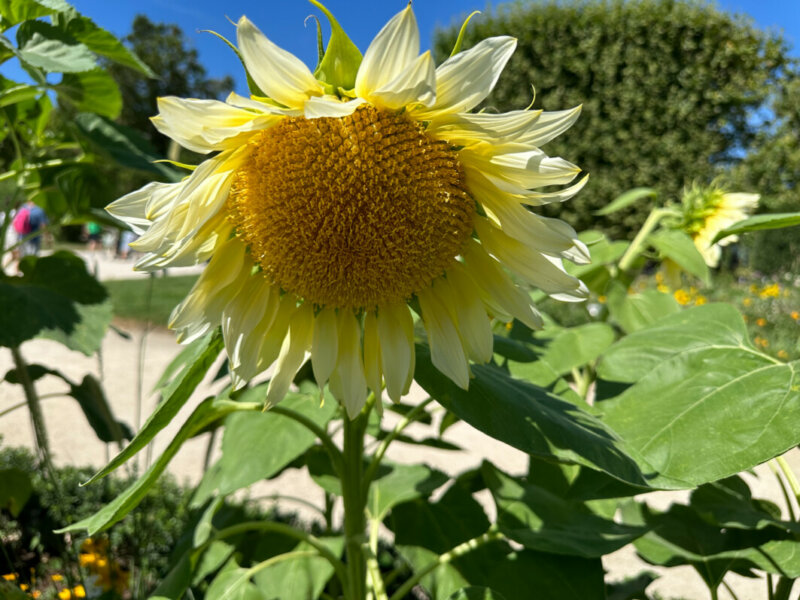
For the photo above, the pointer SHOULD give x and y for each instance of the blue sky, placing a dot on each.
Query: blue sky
(282, 21)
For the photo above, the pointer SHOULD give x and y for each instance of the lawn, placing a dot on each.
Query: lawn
(148, 298)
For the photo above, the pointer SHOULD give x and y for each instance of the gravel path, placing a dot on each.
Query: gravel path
(73, 441)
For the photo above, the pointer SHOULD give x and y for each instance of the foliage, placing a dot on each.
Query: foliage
(668, 89)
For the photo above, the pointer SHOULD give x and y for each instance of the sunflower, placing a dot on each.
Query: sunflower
(707, 211)
(340, 203)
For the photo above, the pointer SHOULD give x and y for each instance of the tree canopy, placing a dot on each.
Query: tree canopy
(668, 87)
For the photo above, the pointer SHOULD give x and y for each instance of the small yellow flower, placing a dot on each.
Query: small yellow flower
(761, 321)
(795, 315)
(771, 291)
(659, 277)
(662, 288)
(79, 592)
(10, 576)
(57, 577)
(753, 288)
(747, 301)
(24, 587)
(601, 299)
(682, 297)
(783, 354)
(64, 595)
(700, 300)
(87, 559)
(35, 594)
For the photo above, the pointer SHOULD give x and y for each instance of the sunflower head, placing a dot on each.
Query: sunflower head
(707, 210)
(337, 199)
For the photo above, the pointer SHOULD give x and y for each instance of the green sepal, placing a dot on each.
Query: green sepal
(460, 38)
(251, 84)
(339, 64)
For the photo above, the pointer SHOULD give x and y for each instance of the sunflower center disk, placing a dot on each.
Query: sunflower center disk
(351, 212)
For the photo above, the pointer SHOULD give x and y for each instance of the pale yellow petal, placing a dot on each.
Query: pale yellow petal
(324, 345)
(396, 334)
(532, 266)
(415, 85)
(372, 353)
(464, 80)
(348, 381)
(447, 352)
(474, 325)
(394, 48)
(280, 74)
(273, 340)
(497, 290)
(325, 106)
(204, 125)
(293, 353)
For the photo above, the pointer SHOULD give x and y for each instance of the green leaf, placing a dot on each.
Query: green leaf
(626, 199)
(726, 402)
(16, 11)
(402, 483)
(15, 489)
(233, 584)
(530, 419)
(759, 222)
(542, 520)
(122, 145)
(98, 413)
(100, 41)
(527, 574)
(729, 503)
(339, 65)
(571, 348)
(43, 49)
(679, 536)
(174, 397)
(299, 578)
(637, 354)
(209, 411)
(18, 93)
(87, 336)
(257, 446)
(93, 91)
(679, 247)
(634, 311)
(9, 591)
(192, 567)
(45, 297)
(476, 593)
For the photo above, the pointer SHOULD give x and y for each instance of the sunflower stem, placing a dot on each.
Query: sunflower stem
(638, 243)
(354, 497)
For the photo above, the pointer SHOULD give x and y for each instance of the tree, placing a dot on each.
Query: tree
(164, 48)
(773, 168)
(668, 89)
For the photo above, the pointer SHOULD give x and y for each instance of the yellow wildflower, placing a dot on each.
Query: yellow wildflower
(64, 594)
(601, 299)
(24, 587)
(79, 592)
(783, 354)
(662, 288)
(771, 291)
(747, 301)
(700, 300)
(761, 321)
(10, 576)
(795, 315)
(57, 577)
(682, 297)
